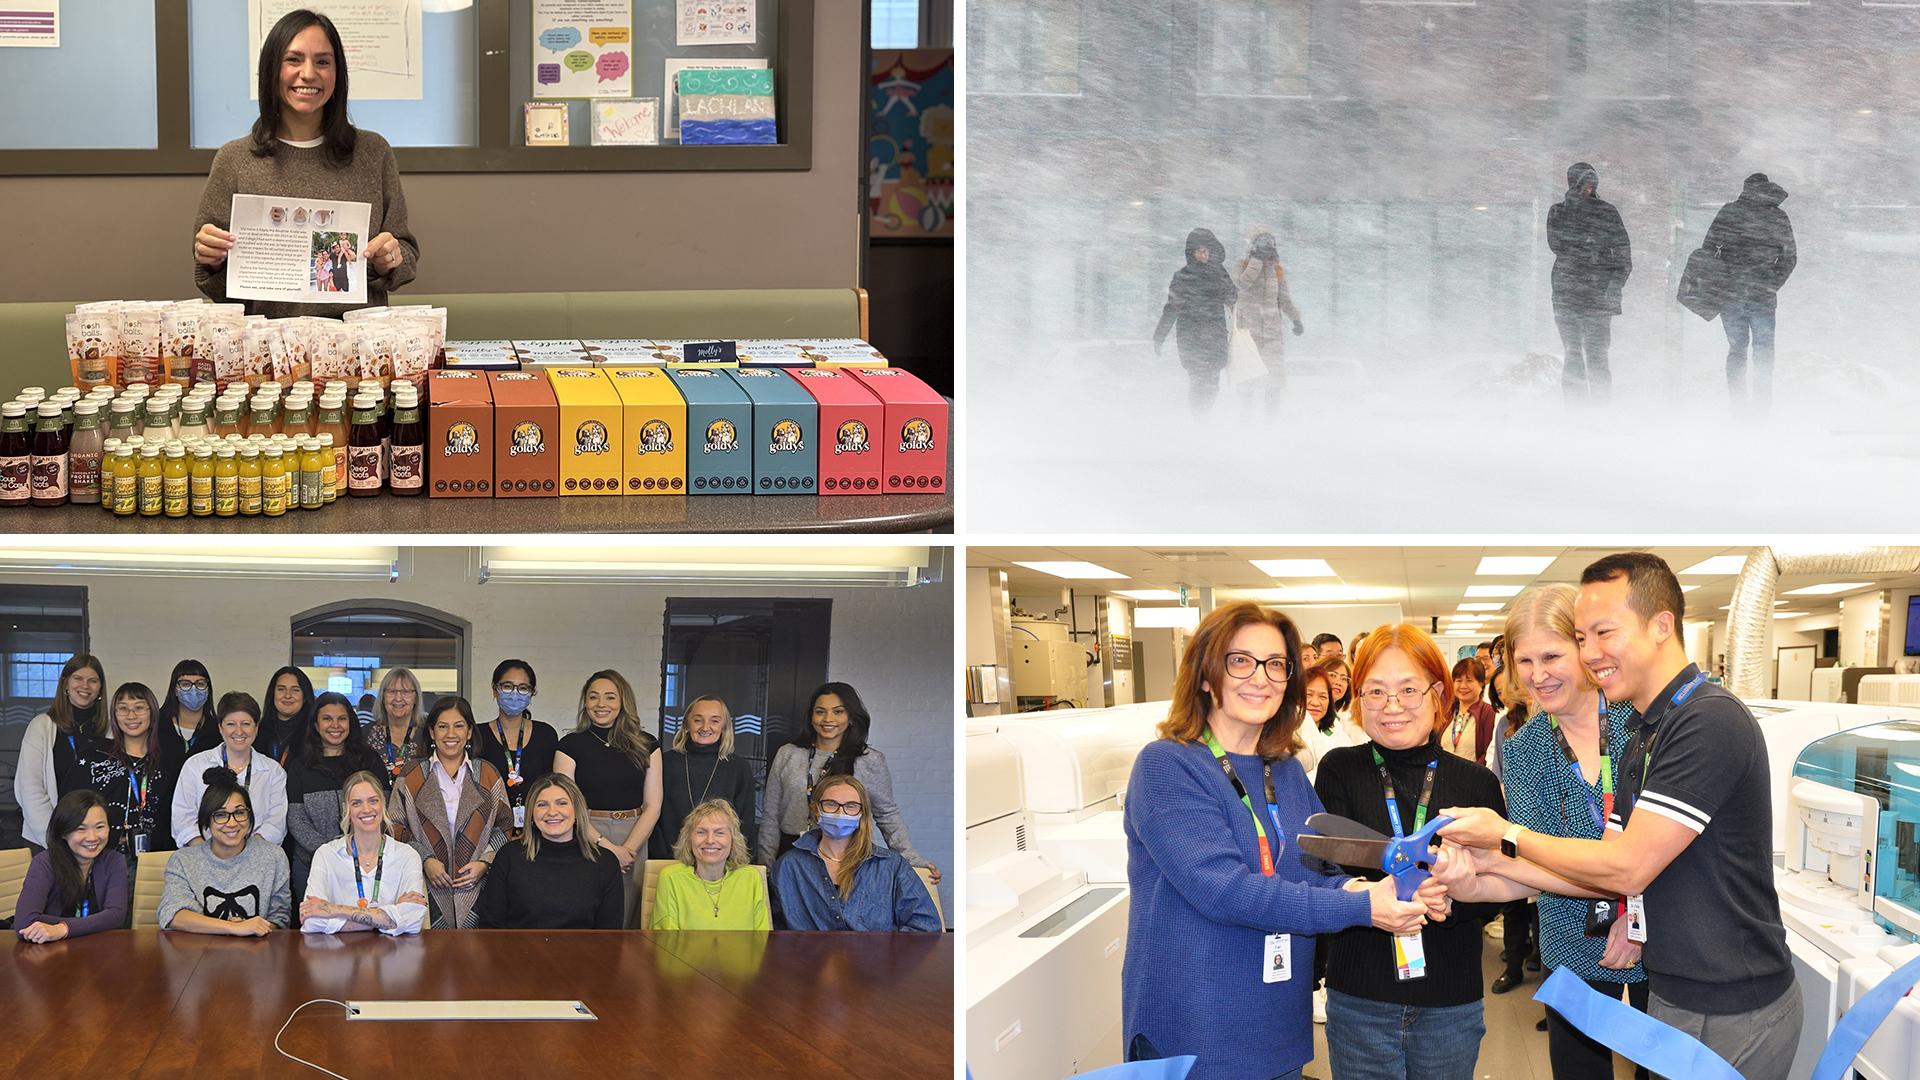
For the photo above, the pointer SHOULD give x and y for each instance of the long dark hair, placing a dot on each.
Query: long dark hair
(337, 131)
(302, 720)
(170, 706)
(61, 711)
(69, 814)
(423, 739)
(853, 742)
(355, 754)
(533, 682)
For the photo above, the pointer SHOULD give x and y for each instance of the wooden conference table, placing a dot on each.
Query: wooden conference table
(671, 1004)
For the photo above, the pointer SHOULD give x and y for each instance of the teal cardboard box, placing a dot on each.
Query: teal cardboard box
(719, 432)
(786, 432)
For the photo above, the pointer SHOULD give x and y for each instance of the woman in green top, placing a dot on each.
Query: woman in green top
(713, 886)
(304, 147)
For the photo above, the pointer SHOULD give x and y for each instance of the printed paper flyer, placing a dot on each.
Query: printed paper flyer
(582, 48)
(303, 251)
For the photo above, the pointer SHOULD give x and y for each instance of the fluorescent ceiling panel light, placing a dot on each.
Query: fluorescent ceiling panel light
(1316, 594)
(1494, 590)
(1790, 614)
(363, 563)
(1718, 565)
(1481, 607)
(1160, 618)
(1828, 589)
(1147, 594)
(1074, 571)
(886, 566)
(1513, 565)
(1291, 568)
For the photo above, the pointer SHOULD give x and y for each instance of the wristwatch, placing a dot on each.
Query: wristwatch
(1507, 841)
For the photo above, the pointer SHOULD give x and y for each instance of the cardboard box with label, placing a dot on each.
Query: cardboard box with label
(654, 457)
(624, 351)
(480, 356)
(851, 420)
(771, 352)
(913, 437)
(459, 435)
(719, 432)
(526, 444)
(590, 431)
(786, 432)
(842, 352)
(715, 354)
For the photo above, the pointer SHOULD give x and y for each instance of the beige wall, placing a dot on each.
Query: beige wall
(78, 238)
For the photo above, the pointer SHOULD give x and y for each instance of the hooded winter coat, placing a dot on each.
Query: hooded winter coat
(1591, 253)
(1197, 300)
(1753, 237)
(1265, 305)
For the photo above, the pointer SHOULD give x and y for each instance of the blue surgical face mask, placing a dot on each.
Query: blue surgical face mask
(514, 702)
(839, 826)
(192, 698)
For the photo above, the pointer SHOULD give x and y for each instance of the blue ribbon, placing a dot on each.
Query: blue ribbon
(1173, 1068)
(1668, 1051)
(1866, 1016)
(1641, 1039)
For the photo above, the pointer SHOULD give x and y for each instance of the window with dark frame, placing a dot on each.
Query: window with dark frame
(41, 628)
(349, 649)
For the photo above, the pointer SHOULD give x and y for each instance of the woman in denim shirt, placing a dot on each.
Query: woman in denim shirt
(835, 878)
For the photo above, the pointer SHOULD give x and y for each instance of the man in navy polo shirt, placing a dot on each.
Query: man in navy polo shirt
(1690, 842)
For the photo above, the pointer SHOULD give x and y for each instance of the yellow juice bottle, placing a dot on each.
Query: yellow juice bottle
(312, 475)
(200, 482)
(273, 483)
(249, 474)
(330, 475)
(126, 482)
(226, 482)
(175, 478)
(149, 482)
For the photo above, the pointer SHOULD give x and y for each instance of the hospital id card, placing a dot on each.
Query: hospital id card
(1409, 956)
(1637, 919)
(519, 817)
(1278, 964)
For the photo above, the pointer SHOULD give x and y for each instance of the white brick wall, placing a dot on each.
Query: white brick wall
(894, 645)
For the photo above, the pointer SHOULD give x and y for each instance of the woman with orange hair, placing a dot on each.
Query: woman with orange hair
(1224, 908)
(1388, 1016)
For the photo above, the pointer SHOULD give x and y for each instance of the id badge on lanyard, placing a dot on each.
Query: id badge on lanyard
(520, 817)
(1409, 957)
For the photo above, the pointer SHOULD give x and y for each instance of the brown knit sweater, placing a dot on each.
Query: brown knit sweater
(371, 177)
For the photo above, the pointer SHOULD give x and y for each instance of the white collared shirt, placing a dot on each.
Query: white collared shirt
(331, 879)
(450, 788)
(266, 786)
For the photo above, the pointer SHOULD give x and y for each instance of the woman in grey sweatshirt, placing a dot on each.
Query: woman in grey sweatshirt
(228, 880)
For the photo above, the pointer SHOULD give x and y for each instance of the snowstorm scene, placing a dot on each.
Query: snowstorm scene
(1438, 265)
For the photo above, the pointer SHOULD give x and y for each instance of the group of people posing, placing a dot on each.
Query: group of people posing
(1747, 255)
(1232, 923)
(309, 813)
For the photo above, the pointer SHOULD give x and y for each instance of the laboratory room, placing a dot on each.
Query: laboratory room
(1528, 812)
(680, 811)
(439, 266)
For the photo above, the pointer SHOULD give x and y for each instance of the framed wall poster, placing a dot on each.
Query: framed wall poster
(626, 123)
(547, 124)
(910, 143)
(582, 49)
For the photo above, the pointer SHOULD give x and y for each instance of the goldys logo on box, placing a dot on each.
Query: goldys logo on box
(636, 373)
(576, 373)
(755, 373)
(916, 434)
(462, 438)
(815, 373)
(527, 439)
(590, 438)
(656, 437)
(786, 438)
(851, 438)
(696, 373)
(515, 376)
(721, 437)
(458, 375)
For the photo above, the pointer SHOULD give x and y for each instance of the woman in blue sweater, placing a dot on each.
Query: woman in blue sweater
(1224, 905)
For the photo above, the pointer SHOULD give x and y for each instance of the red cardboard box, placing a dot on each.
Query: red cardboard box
(526, 445)
(913, 435)
(851, 419)
(459, 435)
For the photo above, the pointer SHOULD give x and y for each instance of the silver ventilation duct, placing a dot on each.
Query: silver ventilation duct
(1753, 594)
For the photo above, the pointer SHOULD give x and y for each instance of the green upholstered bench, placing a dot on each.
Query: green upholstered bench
(33, 349)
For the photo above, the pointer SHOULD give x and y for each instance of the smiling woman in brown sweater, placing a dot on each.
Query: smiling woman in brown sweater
(303, 146)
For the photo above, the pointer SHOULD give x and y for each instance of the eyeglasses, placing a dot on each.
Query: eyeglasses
(221, 817)
(1240, 665)
(515, 688)
(828, 806)
(194, 684)
(1408, 696)
(401, 693)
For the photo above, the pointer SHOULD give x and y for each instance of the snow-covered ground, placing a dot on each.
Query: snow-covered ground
(1458, 443)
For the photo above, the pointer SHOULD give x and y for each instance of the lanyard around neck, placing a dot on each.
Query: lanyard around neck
(1273, 810)
(379, 868)
(245, 781)
(1646, 738)
(1393, 806)
(514, 754)
(1603, 809)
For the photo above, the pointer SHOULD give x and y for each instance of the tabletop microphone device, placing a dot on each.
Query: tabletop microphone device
(469, 1010)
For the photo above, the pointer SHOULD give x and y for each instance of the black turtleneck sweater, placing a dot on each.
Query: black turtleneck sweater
(691, 777)
(1360, 960)
(560, 890)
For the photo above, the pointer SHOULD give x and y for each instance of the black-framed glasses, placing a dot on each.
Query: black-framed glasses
(1408, 696)
(829, 806)
(514, 688)
(195, 684)
(221, 817)
(1240, 665)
